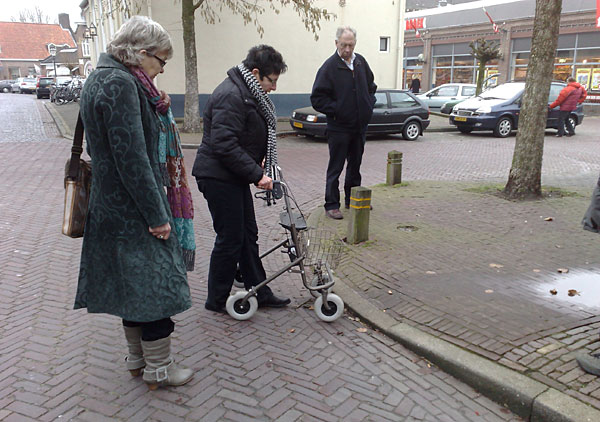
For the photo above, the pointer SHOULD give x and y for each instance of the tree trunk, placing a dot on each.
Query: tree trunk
(191, 113)
(524, 180)
(480, 77)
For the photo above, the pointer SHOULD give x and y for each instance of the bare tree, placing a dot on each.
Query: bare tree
(35, 15)
(484, 52)
(249, 11)
(524, 180)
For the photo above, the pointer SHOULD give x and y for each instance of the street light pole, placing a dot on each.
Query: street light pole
(52, 51)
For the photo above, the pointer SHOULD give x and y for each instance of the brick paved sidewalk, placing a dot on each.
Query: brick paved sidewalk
(476, 270)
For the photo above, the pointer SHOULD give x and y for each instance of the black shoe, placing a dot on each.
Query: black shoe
(273, 301)
(219, 309)
(570, 134)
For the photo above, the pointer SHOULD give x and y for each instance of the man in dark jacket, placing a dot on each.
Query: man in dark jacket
(239, 131)
(568, 99)
(344, 91)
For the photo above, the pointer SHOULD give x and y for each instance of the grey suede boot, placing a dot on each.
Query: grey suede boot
(160, 368)
(134, 361)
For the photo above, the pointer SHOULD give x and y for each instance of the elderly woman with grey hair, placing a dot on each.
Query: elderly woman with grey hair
(132, 262)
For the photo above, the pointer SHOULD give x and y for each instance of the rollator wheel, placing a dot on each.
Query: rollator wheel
(237, 309)
(315, 283)
(336, 308)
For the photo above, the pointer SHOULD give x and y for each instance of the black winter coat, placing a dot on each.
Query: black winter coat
(346, 97)
(235, 135)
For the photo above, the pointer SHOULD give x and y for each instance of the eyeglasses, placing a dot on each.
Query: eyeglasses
(161, 61)
(273, 82)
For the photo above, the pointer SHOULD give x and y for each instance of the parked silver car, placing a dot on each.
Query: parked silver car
(436, 97)
(6, 86)
(27, 85)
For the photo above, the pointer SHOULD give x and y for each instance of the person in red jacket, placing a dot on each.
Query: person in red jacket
(568, 99)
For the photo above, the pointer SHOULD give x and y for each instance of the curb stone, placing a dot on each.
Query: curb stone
(524, 396)
(64, 129)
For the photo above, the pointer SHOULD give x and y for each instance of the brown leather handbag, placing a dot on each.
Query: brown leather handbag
(78, 179)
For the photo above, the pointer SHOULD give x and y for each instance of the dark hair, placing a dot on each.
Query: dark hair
(266, 59)
(571, 79)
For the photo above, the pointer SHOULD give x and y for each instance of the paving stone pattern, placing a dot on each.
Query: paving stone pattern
(285, 365)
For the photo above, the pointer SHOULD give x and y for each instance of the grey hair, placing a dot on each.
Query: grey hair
(136, 34)
(343, 29)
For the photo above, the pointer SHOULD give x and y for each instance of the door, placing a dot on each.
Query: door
(381, 113)
(553, 114)
(402, 107)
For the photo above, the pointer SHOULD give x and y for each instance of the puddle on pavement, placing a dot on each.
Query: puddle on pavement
(586, 283)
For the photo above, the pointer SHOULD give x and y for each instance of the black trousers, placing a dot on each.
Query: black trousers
(153, 330)
(562, 121)
(343, 146)
(232, 209)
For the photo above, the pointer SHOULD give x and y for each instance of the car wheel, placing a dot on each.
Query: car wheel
(463, 129)
(411, 131)
(573, 120)
(503, 127)
(5, 90)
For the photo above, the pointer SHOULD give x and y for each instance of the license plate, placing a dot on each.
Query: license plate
(297, 124)
(460, 119)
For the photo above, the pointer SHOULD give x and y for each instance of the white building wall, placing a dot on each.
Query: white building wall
(225, 44)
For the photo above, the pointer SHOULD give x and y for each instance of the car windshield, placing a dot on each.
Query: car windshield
(503, 92)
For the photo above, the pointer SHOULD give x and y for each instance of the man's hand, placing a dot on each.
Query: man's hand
(265, 183)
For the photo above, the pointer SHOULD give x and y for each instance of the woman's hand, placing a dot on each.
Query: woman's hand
(161, 232)
(165, 97)
(265, 183)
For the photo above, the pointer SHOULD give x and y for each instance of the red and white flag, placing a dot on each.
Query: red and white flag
(597, 13)
(496, 29)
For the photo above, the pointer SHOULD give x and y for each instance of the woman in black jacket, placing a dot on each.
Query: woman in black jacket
(239, 135)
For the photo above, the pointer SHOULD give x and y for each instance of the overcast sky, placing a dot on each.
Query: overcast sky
(52, 8)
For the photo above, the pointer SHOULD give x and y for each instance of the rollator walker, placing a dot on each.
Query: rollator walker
(313, 254)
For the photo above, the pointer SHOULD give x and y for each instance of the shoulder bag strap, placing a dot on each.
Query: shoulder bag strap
(76, 150)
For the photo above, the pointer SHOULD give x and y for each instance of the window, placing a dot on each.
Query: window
(447, 91)
(85, 48)
(454, 63)
(384, 44)
(402, 100)
(554, 91)
(467, 91)
(380, 100)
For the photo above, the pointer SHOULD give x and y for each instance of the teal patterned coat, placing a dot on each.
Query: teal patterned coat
(125, 271)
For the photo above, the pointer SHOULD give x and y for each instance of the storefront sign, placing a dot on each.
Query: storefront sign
(419, 23)
(583, 76)
(595, 80)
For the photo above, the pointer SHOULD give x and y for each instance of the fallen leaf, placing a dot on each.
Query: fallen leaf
(361, 330)
(548, 219)
(312, 308)
(535, 270)
(489, 291)
(496, 265)
(553, 292)
(429, 272)
(292, 330)
(340, 333)
(390, 292)
(563, 270)
(573, 292)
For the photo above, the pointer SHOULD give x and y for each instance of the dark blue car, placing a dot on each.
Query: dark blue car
(498, 110)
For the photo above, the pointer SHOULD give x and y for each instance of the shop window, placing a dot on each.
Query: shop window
(588, 55)
(412, 51)
(562, 72)
(463, 75)
(588, 39)
(442, 61)
(566, 41)
(442, 50)
(464, 61)
(441, 76)
(521, 44)
(564, 56)
(384, 44)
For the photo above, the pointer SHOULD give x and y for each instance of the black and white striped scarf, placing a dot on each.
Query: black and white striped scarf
(268, 111)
